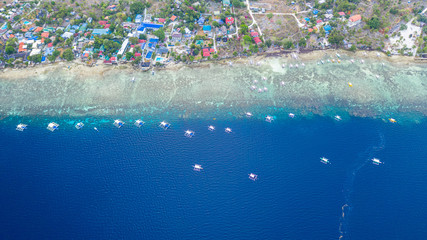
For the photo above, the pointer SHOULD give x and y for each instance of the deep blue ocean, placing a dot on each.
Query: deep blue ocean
(138, 183)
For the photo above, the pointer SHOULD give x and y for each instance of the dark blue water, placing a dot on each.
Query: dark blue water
(132, 183)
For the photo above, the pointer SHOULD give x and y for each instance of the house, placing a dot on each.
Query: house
(341, 13)
(100, 31)
(173, 18)
(226, 3)
(123, 47)
(148, 26)
(112, 7)
(161, 20)
(66, 35)
(45, 35)
(207, 28)
(257, 40)
(229, 20)
(162, 50)
(176, 37)
(354, 20)
(201, 21)
(327, 28)
(138, 18)
(102, 23)
(254, 34)
(206, 52)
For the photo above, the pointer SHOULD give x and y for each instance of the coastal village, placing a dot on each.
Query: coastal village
(156, 33)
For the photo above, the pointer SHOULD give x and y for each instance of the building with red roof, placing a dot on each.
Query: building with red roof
(341, 13)
(142, 41)
(45, 34)
(102, 23)
(161, 20)
(107, 26)
(173, 18)
(257, 40)
(137, 54)
(355, 18)
(229, 20)
(49, 45)
(254, 34)
(38, 29)
(206, 52)
(319, 21)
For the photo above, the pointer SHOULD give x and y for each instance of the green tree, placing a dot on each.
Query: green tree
(143, 36)
(244, 28)
(129, 55)
(374, 22)
(215, 24)
(353, 48)
(160, 34)
(10, 50)
(287, 44)
(56, 53)
(36, 58)
(302, 42)
(68, 54)
(138, 7)
(336, 38)
(269, 15)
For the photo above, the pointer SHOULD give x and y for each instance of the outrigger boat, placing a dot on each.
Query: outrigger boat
(228, 130)
(211, 128)
(324, 160)
(79, 125)
(253, 176)
(21, 127)
(52, 126)
(197, 167)
(164, 125)
(376, 161)
(189, 133)
(139, 123)
(269, 118)
(118, 123)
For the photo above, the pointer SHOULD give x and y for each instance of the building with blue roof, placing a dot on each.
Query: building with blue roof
(315, 12)
(138, 18)
(100, 31)
(149, 54)
(153, 40)
(327, 28)
(207, 28)
(148, 26)
(201, 21)
(307, 19)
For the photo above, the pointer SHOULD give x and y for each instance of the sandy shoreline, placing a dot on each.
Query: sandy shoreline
(80, 68)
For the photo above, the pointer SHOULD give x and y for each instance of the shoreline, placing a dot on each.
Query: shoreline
(310, 56)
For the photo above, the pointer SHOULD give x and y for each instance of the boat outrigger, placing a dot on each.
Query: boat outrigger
(118, 123)
(269, 118)
(291, 115)
(338, 118)
(228, 130)
(211, 128)
(248, 114)
(324, 160)
(52, 126)
(21, 127)
(392, 120)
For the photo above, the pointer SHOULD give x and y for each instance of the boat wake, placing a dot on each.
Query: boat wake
(362, 160)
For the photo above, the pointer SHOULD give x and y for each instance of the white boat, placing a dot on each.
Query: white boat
(296, 65)
(302, 65)
(362, 61)
(352, 60)
(228, 130)
(164, 125)
(291, 115)
(248, 114)
(283, 65)
(260, 90)
(133, 79)
(52, 126)
(392, 120)
(197, 167)
(118, 123)
(378, 55)
(79, 125)
(139, 123)
(269, 118)
(282, 83)
(211, 128)
(376, 161)
(264, 78)
(255, 81)
(377, 76)
(337, 118)
(265, 89)
(339, 56)
(230, 64)
(189, 133)
(321, 61)
(324, 160)
(253, 87)
(21, 127)
(291, 66)
(152, 72)
(96, 129)
(253, 176)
